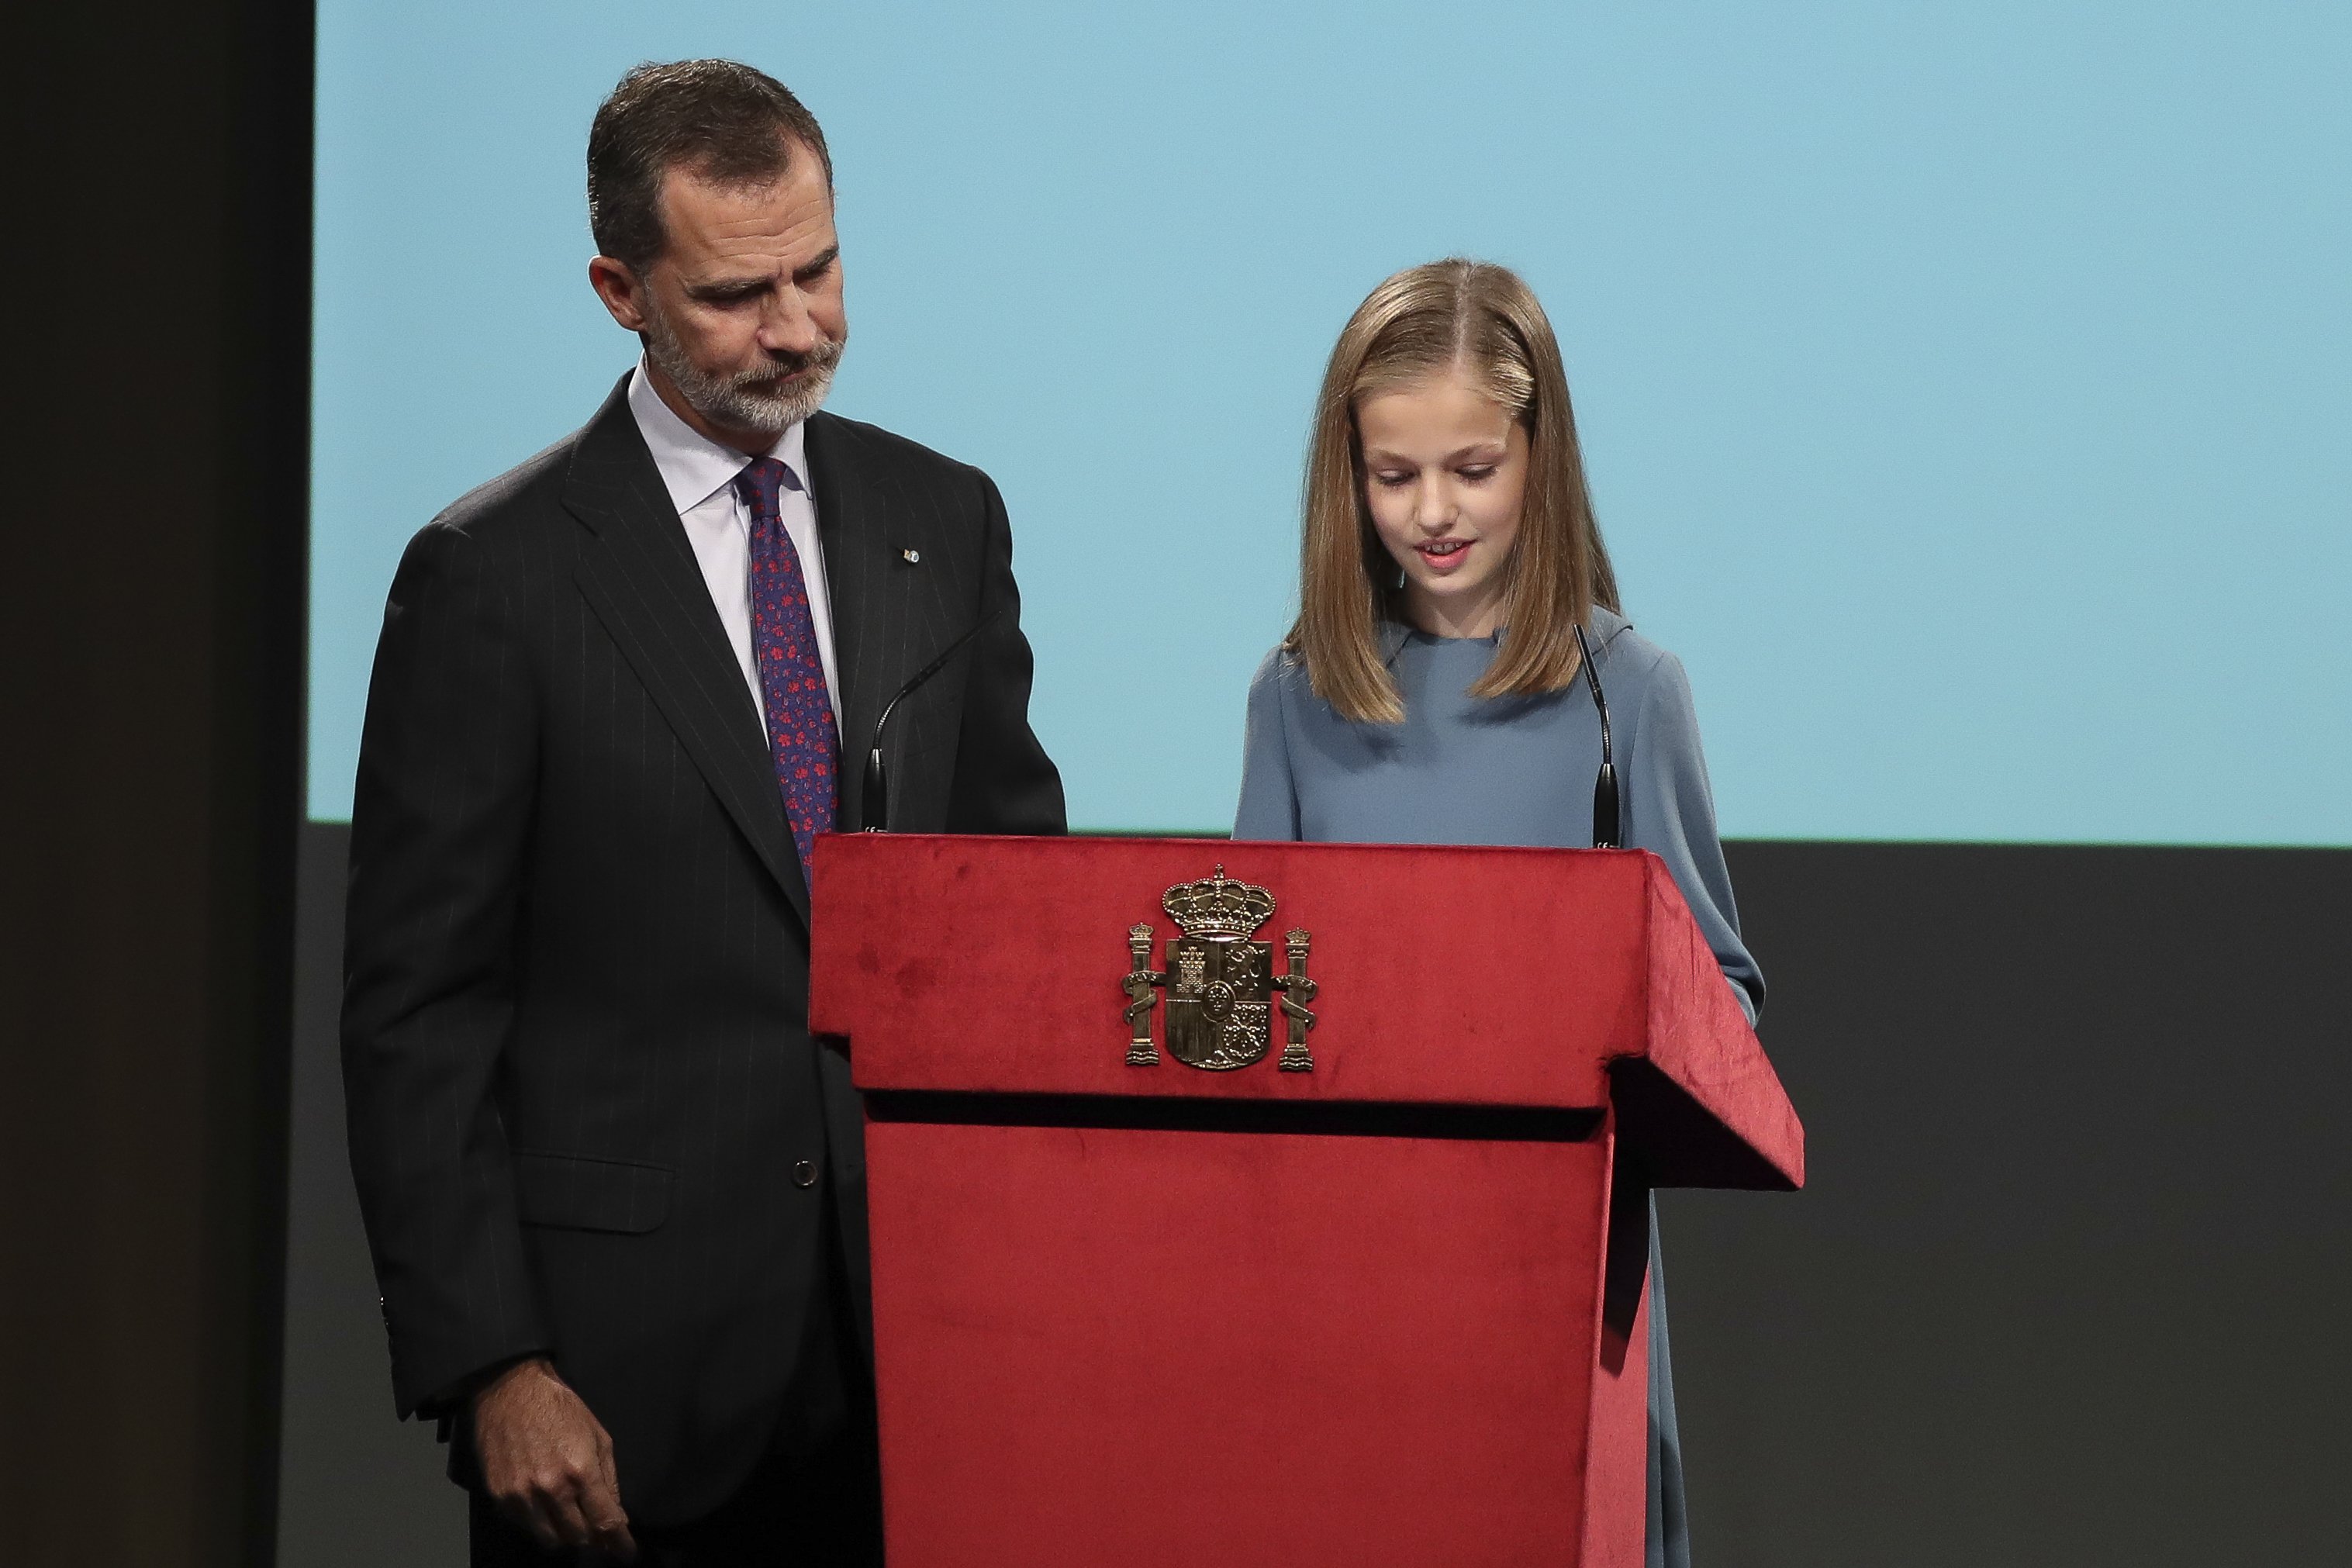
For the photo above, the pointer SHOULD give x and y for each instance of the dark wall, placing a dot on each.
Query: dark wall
(357, 1488)
(151, 636)
(2070, 1281)
(2068, 1285)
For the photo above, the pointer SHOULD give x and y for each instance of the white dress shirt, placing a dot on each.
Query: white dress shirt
(700, 476)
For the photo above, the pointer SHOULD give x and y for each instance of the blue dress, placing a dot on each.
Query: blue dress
(1513, 769)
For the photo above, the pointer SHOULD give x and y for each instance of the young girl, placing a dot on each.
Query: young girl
(1431, 691)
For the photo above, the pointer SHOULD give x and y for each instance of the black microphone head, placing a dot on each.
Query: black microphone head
(1605, 804)
(874, 794)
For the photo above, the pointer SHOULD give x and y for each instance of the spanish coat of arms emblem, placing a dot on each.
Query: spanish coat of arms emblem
(1223, 987)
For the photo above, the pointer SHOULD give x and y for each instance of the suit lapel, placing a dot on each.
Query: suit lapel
(640, 577)
(869, 584)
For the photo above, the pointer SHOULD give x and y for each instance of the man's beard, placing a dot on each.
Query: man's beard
(741, 401)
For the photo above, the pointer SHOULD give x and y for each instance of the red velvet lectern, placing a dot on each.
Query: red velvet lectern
(1372, 1312)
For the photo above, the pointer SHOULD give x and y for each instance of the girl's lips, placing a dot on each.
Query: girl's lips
(1449, 560)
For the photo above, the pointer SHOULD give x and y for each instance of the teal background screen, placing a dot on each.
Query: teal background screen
(1964, 387)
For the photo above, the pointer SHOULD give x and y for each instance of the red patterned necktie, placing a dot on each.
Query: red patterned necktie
(800, 734)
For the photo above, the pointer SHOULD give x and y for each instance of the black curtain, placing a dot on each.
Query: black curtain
(151, 639)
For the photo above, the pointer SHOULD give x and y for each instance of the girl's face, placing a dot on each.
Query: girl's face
(1445, 468)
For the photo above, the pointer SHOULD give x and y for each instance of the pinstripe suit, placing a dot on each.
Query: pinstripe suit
(579, 1074)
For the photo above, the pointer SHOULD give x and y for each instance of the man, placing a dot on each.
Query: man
(614, 1189)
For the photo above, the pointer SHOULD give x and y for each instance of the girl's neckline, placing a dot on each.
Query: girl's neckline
(1413, 633)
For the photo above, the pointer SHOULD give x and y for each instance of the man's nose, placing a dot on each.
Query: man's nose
(786, 326)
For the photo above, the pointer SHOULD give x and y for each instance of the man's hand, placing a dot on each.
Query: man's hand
(548, 1462)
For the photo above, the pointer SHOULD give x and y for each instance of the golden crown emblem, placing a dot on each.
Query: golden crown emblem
(1217, 905)
(1223, 990)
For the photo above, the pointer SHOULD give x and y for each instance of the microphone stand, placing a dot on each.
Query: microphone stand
(874, 790)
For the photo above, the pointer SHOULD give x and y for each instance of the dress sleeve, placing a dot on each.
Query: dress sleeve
(1670, 811)
(1269, 803)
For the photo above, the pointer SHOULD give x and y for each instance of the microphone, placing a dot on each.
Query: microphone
(1604, 787)
(874, 792)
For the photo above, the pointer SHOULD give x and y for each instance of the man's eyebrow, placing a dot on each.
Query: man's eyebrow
(723, 288)
(819, 262)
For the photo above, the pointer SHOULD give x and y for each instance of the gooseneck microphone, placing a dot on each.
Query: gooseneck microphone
(873, 793)
(1604, 787)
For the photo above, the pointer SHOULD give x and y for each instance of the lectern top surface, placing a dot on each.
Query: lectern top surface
(1478, 976)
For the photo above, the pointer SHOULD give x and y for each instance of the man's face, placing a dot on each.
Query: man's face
(742, 312)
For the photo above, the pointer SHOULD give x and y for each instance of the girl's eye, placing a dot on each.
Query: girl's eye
(1477, 472)
(1393, 481)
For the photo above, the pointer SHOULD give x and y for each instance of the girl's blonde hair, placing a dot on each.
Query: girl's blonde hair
(1481, 319)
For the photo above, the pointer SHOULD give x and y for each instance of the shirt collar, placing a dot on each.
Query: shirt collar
(694, 467)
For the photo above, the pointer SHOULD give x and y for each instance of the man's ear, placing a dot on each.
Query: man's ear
(622, 289)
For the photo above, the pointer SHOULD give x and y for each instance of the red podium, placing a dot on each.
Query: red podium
(1376, 1297)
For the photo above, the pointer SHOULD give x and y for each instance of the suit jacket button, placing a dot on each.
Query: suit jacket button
(805, 1173)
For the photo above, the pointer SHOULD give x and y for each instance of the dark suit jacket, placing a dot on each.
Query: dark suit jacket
(576, 1022)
